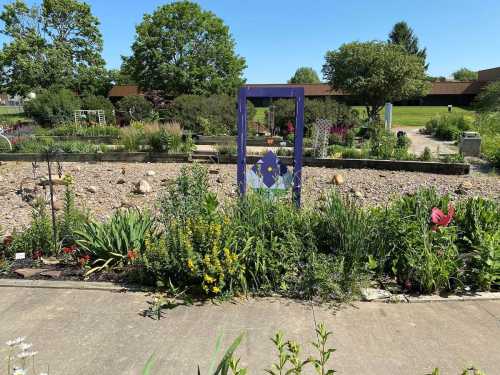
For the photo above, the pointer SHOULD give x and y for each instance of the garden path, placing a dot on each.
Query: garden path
(100, 332)
(420, 141)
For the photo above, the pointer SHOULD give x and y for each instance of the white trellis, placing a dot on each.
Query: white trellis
(84, 115)
(321, 132)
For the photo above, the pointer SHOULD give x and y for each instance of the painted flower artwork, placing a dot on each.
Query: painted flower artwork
(269, 173)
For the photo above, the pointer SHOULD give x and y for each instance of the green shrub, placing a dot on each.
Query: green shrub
(448, 127)
(488, 99)
(38, 236)
(426, 154)
(339, 114)
(226, 149)
(41, 144)
(383, 144)
(52, 107)
(213, 115)
(93, 102)
(407, 247)
(135, 108)
(117, 241)
(488, 126)
(478, 221)
(82, 131)
(167, 137)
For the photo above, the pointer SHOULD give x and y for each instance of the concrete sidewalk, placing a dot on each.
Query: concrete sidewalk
(101, 332)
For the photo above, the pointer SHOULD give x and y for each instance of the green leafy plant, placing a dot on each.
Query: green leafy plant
(118, 241)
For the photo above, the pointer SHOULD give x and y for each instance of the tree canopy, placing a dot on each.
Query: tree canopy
(182, 49)
(56, 43)
(403, 35)
(376, 73)
(488, 99)
(304, 75)
(465, 74)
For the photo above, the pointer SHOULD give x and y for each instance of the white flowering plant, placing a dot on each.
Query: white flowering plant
(21, 358)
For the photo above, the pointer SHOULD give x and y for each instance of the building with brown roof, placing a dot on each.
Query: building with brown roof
(458, 93)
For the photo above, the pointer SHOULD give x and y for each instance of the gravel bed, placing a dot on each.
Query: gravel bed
(97, 188)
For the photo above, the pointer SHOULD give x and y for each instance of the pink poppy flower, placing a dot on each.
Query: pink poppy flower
(440, 219)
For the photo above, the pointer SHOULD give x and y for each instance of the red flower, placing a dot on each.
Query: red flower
(82, 261)
(7, 240)
(290, 127)
(440, 219)
(68, 250)
(132, 254)
(37, 254)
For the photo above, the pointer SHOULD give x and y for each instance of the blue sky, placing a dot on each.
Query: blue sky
(277, 36)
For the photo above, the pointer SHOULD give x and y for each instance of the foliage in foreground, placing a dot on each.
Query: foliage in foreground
(290, 359)
(424, 241)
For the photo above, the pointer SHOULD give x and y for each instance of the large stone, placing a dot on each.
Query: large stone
(56, 180)
(464, 187)
(53, 274)
(29, 272)
(337, 179)
(142, 187)
(372, 294)
(92, 189)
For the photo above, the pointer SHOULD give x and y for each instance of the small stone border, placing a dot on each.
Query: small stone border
(144, 157)
(111, 287)
(71, 285)
(480, 296)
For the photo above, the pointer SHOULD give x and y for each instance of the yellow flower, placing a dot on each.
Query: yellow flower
(208, 279)
(190, 264)
(216, 289)
(68, 179)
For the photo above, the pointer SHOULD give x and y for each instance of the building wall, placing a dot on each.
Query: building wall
(489, 75)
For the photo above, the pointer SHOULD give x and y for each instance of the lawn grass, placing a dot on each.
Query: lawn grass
(418, 115)
(9, 116)
(260, 114)
(402, 115)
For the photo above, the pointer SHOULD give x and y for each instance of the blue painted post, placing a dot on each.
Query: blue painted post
(242, 141)
(297, 152)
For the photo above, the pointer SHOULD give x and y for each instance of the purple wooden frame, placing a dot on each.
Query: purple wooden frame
(271, 92)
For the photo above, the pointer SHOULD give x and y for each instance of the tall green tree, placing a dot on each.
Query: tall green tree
(376, 73)
(55, 43)
(465, 74)
(403, 35)
(182, 49)
(304, 75)
(488, 99)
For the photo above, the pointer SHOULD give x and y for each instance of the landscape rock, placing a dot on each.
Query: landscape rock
(338, 179)
(92, 189)
(359, 194)
(50, 261)
(464, 187)
(150, 173)
(29, 272)
(56, 180)
(372, 294)
(53, 274)
(142, 187)
(120, 181)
